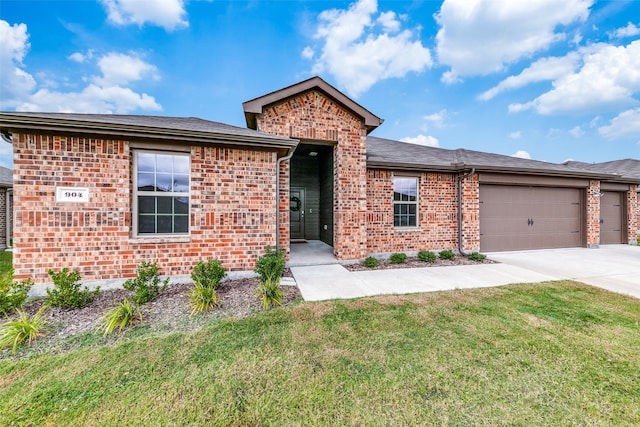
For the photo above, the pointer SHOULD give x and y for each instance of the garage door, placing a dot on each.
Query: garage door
(611, 218)
(517, 218)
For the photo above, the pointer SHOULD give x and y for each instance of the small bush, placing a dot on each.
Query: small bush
(203, 298)
(12, 294)
(370, 262)
(68, 292)
(426, 256)
(124, 314)
(398, 258)
(477, 256)
(146, 284)
(270, 267)
(15, 332)
(447, 254)
(208, 274)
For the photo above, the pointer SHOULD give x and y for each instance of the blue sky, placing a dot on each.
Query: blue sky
(548, 80)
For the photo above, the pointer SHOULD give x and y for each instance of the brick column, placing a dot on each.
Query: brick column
(471, 214)
(593, 214)
(633, 214)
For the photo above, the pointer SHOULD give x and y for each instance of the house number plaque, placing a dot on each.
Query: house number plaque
(72, 194)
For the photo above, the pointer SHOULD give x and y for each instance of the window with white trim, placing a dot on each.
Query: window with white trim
(161, 193)
(405, 201)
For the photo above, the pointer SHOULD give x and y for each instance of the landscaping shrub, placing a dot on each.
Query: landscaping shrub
(124, 314)
(270, 267)
(15, 332)
(208, 274)
(427, 256)
(12, 294)
(203, 298)
(370, 262)
(67, 292)
(398, 258)
(477, 256)
(146, 284)
(447, 254)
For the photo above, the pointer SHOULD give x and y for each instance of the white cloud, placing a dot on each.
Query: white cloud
(521, 154)
(544, 69)
(515, 135)
(429, 140)
(625, 125)
(359, 53)
(168, 14)
(608, 79)
(307, 53)
(107, 93)
(436, 119)
(14, 80)
(629, 31)
(478, 37)
(450, 77)
(576, 132)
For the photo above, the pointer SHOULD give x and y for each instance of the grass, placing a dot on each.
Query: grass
(6, 259)
(555, 353)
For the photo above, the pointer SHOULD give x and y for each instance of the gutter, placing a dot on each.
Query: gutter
(278, 163)
(460, 179)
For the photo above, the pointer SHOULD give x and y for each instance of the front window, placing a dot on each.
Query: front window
(161, 193)
(405, 202)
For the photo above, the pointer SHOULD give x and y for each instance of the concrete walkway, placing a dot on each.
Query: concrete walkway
(616, 268)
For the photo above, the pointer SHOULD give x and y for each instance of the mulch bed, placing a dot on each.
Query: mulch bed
(413, 262)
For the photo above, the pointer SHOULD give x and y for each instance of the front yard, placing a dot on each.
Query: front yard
(556, 353)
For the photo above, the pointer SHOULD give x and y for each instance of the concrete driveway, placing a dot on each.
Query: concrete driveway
(616, 268)
(612, 267)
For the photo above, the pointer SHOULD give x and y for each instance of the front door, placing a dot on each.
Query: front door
(296, 213)
(611, 215)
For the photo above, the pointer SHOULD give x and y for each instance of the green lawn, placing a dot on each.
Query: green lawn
(556, 353)
(5, 261)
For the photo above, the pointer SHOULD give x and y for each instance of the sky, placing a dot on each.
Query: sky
(547, 80)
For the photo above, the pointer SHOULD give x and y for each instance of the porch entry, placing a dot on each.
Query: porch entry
(311, 194)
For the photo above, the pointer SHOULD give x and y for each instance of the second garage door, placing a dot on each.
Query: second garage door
(518, 217)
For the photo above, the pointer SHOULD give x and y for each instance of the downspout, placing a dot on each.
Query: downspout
(460, 179)
(278, 163)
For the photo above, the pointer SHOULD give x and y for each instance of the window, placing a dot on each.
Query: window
(161, 193)
(405, 202)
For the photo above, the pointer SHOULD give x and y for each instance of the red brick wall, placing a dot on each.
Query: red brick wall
(471, 213)
(312, 116)
(232, 209)
(633, 214)
(4, 199)
(437, 221)
(593, 213)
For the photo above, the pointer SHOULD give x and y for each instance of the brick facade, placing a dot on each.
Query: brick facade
(633, 214)
(312, 116)
(232, 213)
(593, 214)
(4, 199)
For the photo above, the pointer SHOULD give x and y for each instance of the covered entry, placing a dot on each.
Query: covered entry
(530, 217)
(612, 220)
(311, 193)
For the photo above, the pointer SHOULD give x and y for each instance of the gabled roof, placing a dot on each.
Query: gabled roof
(255, 106)
(157, 128)
(386, 153)
(6, 177)
(627, 167)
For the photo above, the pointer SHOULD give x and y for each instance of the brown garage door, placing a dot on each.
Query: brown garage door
(517, 218)
(611, 218)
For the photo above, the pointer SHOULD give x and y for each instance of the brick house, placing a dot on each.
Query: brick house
(101, 193)
(6, 199)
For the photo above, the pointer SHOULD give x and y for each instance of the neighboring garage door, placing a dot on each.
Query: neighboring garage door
(518, 217)
(611, 218)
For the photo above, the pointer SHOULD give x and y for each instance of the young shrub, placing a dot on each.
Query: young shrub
(68, 292)
(146, 284)
(208, 274)
(398, 258)
(427, 256)
(203, 298)
(12, 294)
(447, 254)
(15, 332)
(270, 267)
(477, 256)
(124, 314)
(370, 262)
